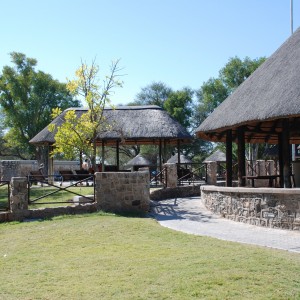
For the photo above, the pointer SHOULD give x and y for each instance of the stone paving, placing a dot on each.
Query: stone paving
(191, 216)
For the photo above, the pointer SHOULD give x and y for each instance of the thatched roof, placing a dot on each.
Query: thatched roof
(183, 159)
(132, 124)
(217, 156)
(139, 160)
(270, 94)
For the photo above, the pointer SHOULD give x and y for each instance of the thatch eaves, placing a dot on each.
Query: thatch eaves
(132, 124)
(270, 94)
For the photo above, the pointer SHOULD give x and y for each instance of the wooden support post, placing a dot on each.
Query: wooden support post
(280, 160)
(229, 157)
(178, 152)
(50, 165)
(160, 162)
(286, 153)
(241, 157)
(118, 155)
(103, 156)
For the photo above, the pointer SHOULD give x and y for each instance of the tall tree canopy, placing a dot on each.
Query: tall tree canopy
(154, 94)
(27, 97)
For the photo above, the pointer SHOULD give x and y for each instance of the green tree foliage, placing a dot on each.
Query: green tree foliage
(27, 97)
(154, 94)
(214, 91)
(179, 106)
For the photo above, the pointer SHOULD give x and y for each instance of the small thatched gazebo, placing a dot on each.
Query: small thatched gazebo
(265, 108)
(139, 162)
(217, 156)
(130, 125)
(182, 158)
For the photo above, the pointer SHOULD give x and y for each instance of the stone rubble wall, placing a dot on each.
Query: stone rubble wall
(114, 192)
(177, 192)
(21, 168)
(277, 208)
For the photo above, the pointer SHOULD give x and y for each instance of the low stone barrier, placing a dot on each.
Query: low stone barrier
(272, 207)
(114, 192)
(177, 192)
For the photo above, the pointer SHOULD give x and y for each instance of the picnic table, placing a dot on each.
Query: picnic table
(271, 178)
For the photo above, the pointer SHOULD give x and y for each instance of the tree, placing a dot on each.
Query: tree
(179, 106)
(154, 94)
(213, 92)
(27, 97)
(81, 132)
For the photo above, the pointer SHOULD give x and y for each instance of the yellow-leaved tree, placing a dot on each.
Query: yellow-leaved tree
(77, 134)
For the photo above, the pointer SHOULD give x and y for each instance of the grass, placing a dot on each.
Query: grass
(60, 196)
(4, 196)
(104, 256)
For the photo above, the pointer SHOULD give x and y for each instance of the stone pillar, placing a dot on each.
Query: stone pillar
(212, 172)
(171, 175)
(18, 196)
(122, 191)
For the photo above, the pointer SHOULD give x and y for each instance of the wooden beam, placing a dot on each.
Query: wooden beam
(286, 155)
(241, 156)
(229, 158)
(118, 154)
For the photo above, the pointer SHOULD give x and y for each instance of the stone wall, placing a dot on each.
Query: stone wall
(21, 168)
(271, 207)
(123, 191)
(177, 192)
(114, 192)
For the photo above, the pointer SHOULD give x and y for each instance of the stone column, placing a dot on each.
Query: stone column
(171, 175)
(18, 196)
(212, 172)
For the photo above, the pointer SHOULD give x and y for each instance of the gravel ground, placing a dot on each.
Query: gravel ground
(191, 216)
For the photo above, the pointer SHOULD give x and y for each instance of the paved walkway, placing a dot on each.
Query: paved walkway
(191, 216)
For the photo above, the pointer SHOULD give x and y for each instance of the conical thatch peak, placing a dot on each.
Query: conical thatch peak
(217, 156)
(139, 160)
(183, 159)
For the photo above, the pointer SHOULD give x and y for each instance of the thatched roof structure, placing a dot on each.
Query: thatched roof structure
(139, 160)
(261, 102)
(183, 159)
(132, 124)
(217, 156)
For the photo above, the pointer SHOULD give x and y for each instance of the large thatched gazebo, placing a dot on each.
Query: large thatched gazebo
(130, 125)
(265, 108)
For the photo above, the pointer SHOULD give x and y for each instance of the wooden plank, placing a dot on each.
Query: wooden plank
(229, 158)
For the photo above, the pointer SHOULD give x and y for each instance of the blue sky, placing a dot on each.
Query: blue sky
(181, 42)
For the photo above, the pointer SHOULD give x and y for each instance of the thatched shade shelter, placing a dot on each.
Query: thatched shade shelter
(138, 162)
(182, 158)
(218, 156)
(130, 125)
(265, 108)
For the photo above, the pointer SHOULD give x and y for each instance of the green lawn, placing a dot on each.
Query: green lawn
(58, 196)
(102, 256)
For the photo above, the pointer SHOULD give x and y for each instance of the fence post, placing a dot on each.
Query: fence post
(18, 196)
(212, 172)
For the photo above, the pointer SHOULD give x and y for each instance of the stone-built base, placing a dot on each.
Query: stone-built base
(272, 207)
